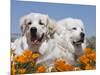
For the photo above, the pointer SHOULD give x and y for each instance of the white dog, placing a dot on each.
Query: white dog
(73, 30)
(35, 29)
(67, 43)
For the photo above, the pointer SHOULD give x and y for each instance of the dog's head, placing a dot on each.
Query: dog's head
(73, 29)
(36, 27)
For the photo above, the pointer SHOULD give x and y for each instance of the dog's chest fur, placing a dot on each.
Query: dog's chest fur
(78, 50)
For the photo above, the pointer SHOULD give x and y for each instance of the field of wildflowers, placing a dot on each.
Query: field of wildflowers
(26, 63)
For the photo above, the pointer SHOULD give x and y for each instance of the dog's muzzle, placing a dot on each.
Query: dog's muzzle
(34, 38)
(78, 42)
(82, 36)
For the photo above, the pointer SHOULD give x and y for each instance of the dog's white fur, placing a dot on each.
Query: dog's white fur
(66, 26)
(45, 29)
(62, 47)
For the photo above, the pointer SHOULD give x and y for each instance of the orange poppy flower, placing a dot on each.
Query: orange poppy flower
(92, 56)
(27, 53)
(83, 59)
(62, 66)
(21, 59)
(88, 50)
(41, 69)
(89, 67)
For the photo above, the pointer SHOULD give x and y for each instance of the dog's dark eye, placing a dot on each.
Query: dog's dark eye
(40, 22)
(29, 23)
(74, 28)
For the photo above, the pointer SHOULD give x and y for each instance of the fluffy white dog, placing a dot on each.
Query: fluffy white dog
(35, 29)
(73, 31)
(67, 42)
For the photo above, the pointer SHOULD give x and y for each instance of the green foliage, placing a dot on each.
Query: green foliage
(91, 42)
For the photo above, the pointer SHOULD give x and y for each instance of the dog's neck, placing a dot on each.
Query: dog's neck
(78, 50)
(34, 48)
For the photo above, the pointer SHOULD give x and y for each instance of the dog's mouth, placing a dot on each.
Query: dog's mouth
(36, 40)
(79, 42)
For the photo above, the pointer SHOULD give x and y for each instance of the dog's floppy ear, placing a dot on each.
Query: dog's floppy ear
(23, 24)
(51, 25)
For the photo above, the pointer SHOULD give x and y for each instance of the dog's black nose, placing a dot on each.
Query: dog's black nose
(82, 35)
(33, 30)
